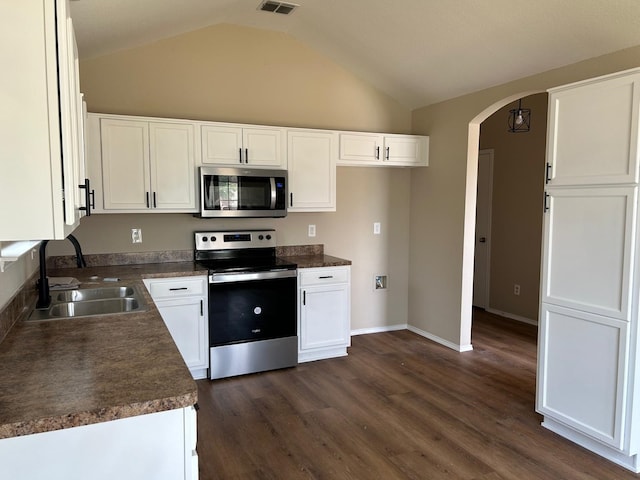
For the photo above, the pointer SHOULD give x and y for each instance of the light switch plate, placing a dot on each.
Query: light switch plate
(312, 230)
(376, 228)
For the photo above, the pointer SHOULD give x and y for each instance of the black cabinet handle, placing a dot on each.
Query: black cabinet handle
(326, 276)
(547, 173)
(291, 199)
(147, 199)
(155, 204)
(246, 155)
(388, 153)
(201, 308)
(378, 153)
(88, 196)
(546, 202)
(178, 288)
(304, 297)
(240, 154)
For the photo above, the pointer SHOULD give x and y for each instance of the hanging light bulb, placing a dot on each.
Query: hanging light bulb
(519, 119)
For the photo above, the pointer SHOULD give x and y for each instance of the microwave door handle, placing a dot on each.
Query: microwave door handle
(272, 181)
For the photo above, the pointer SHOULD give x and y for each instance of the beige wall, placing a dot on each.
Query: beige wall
(516, 226)
(443, 201)
(240, 74)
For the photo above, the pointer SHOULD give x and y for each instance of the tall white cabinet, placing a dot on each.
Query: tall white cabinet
(588, 372)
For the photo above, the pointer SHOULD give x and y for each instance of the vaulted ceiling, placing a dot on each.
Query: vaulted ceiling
(417, 51)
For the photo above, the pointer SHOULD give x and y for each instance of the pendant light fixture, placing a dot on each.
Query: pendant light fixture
(519, 119)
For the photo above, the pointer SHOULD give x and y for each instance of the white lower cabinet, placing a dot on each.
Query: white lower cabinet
(324, 313)
(182, 303)
(582, 371)
(158, 446)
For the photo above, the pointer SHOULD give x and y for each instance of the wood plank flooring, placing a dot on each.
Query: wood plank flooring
(398, 407)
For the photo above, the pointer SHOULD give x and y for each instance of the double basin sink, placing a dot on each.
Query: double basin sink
(91, 301)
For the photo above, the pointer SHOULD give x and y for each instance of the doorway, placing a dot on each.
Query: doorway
(482, 255)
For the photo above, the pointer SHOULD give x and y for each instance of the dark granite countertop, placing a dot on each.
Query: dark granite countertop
(65, 373)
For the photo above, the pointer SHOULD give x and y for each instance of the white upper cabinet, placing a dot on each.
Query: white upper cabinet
(252, 146)
(145, 166)
(312, 170)
(593, 132)
(41, 134)
(375, 149)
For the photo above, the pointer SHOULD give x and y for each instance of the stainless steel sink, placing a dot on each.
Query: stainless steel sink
(93, 294)
(90, 302)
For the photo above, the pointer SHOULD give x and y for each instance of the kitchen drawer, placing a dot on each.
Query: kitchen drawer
(177, 287)
(322, 276)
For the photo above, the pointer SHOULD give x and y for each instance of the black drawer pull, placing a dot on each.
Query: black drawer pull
(326, 276)
(179, 288)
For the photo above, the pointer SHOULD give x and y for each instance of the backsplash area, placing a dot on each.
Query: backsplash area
(19, 306)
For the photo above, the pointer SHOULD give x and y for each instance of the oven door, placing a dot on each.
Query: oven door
(248, 307)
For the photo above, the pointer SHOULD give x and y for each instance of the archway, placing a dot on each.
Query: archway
(473, 142)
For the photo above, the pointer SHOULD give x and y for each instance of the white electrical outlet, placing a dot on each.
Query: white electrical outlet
(516, 289)
(376, 228)
(136, 235)
(312, 230)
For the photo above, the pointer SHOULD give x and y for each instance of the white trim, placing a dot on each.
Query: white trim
(388, 328)
(512, 316)
(441, 341)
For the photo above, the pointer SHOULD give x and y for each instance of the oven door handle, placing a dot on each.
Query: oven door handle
(251, 276)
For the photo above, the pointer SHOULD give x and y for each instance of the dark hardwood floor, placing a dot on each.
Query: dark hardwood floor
(398, 407)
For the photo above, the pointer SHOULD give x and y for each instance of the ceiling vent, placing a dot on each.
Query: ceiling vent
(277, 7)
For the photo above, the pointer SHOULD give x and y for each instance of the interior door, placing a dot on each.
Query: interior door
(481, 269)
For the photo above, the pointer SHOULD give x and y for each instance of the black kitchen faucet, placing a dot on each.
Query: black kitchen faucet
(44, 297)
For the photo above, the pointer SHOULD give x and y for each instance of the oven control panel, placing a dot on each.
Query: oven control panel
(225, 240)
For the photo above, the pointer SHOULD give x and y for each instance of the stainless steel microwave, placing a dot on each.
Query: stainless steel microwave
(242, 192)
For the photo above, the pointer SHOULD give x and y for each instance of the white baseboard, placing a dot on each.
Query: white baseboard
(422, 333)
(388, 328)
(440, 340)
(512, 316)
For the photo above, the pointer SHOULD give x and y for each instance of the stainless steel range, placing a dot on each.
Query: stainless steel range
(252, 302)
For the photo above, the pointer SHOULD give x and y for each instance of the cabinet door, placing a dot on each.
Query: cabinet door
(186, 320)
(588, 248)
(37, 121)
(173, 171)
(312, 171)
(593, 132)
(125, 164)
(263, 147)
(222, 145)
(361, 148)
(324, 316)
(582, 369)
(405, 150)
